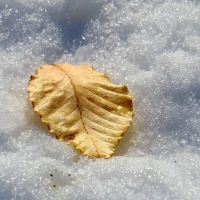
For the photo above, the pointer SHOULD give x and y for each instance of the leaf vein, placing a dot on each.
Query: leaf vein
(99, 124)
(100, 106)
(59, 108)
(100, 116)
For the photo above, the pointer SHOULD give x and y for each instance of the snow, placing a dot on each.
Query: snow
(152, 46)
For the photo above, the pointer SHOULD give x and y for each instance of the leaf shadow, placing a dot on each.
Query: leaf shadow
(128, 139)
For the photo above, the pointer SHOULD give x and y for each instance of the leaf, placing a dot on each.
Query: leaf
(82, 104)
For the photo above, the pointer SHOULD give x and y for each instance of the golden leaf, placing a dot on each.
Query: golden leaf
(79, 102)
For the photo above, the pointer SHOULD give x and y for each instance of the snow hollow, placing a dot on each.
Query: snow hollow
(152, 46)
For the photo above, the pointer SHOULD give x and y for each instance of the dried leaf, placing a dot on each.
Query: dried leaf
(82, 104)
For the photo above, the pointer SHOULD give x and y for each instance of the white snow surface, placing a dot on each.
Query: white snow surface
(152, 46)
